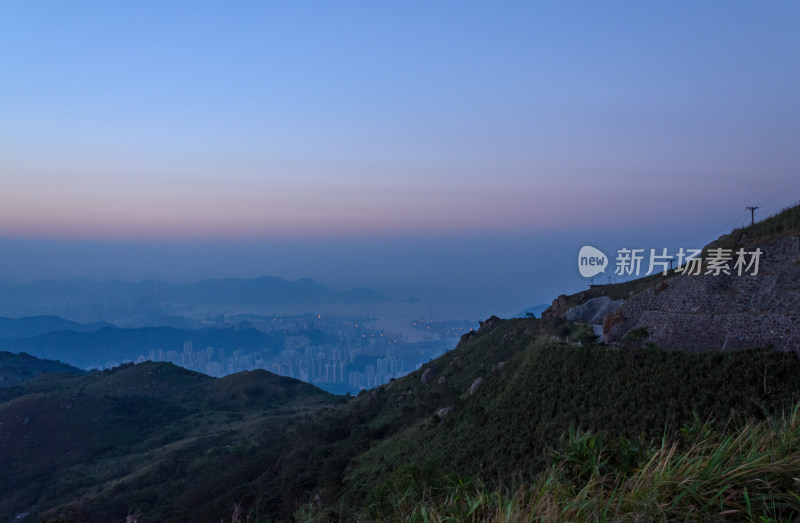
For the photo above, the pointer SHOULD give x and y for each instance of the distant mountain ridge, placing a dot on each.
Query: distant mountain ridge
(36, 325)
(87, 349)
(114, 299)
(18, 368)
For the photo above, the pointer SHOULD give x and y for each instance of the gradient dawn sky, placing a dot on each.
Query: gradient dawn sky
(398, 145)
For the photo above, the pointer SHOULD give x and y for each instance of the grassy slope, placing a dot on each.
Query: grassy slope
(180, 446)
(745, 472)
(506, 430)
(786, 222)
(173, 443)
(17, 368)
(509, 426)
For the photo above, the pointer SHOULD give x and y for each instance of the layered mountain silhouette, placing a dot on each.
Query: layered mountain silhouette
(179, 445)
(18, 368)
(37, 325)
(92, 349)
(507, 404)
(118, 300)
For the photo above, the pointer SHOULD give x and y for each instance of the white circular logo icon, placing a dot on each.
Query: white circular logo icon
(591, 261)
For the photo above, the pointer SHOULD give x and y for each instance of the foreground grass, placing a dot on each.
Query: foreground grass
(751, 471)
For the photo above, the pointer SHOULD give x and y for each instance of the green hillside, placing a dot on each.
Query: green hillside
(173, 443)
(17, 368)
(524, 418)
(507, 429)
(180, 446)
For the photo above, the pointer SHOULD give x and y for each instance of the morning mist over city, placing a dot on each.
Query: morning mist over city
(329, 219)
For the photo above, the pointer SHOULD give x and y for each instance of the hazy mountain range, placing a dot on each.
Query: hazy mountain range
(36, 325)
(147, 302)
(523, 417)
(17, 368)
(95, 348)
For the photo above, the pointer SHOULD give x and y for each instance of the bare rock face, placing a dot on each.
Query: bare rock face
(593, 311)
(444, 412)
(725, 311)
(442, 380)
(611, 320)
(475, 386)
(557, 308)
(427, 376)
(466, 337)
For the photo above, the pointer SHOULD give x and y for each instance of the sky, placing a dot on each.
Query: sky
(460, 150)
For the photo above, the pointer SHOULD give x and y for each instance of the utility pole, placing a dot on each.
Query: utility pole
(752, 209)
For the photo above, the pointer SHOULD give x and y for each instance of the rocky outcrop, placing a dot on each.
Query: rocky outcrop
(466, 337)
(428, 374)
(722, 312)
(488, 324)
(444, 412)
(593, 311)
(475, 386)
(610, 321)
(557, 308)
